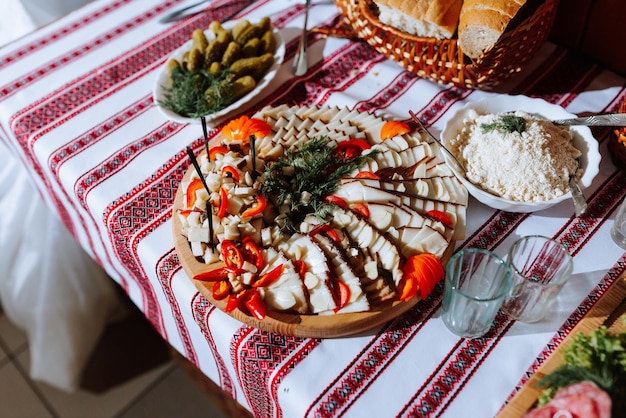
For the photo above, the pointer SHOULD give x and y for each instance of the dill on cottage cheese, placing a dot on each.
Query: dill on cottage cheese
(516, 155)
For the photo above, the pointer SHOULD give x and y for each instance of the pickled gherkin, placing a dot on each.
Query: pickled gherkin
(254, 66)
(251, 48)
(242, 86)
(231, 54)
(195, 62)
(239, 28)
(268, 43)
(199, 39)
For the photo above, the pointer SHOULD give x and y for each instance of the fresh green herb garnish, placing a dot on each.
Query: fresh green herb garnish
(506, 123)
(304, 176)
(197, 94)
(599, 357)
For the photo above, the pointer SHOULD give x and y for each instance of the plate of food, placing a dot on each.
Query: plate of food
(515, 158)
(344, 223)
(219, 70)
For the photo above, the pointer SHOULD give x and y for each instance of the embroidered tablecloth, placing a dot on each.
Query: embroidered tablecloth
(76, 109)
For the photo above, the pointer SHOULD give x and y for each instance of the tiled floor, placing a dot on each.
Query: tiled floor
(162, 389)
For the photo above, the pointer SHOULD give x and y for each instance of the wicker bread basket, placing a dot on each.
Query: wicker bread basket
(443, 61)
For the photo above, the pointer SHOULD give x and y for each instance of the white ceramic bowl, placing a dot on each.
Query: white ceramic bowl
(163, 80)
(583, 140)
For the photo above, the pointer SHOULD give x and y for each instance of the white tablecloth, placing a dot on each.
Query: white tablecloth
(76, 109)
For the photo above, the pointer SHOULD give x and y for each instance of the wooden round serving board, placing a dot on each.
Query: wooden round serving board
(312, 326)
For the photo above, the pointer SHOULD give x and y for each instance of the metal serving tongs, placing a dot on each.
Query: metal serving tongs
(300, 64)
(610, 119)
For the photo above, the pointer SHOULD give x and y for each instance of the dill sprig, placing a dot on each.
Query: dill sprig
(197, 94)
(304, 176)
(507, 123)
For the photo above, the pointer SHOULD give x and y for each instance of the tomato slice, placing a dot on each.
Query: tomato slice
(343, 298)
(223, 203)
(190, 193)
(258, 207)
(217, 150)
(244, 126)
(270, 277)
(426, 270)
(393, 128)
(252, 253)
(351, 148)
(335, 200)
(367, 175)
(361, 209)
(440, 216)
(407, 288)
(220, 290)
(229, 169)
(231, 256)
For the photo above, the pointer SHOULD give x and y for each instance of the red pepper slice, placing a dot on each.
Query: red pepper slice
(252, 253)
(367, 175)
(328, 230)
(220, 290)
(231, 256)
(190, 193)
(223, 202)
(440, 216)
(335, 200)
(300, 267)
(343, 294)
(234, 299)
(255, 304)
(229, 169)
(217, 150)
(213, 275)
(258, 207)
(187, 212)
(270, 277)
(361, 209)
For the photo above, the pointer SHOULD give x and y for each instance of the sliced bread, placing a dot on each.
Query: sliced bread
(482, 23)
(429, 18)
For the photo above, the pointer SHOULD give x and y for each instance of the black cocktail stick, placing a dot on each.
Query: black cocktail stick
(208, 209)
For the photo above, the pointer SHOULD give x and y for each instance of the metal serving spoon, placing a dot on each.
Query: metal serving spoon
(300, 64)
(180, 13)
(580, 203)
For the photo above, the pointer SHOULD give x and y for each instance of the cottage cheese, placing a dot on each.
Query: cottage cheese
(531, 166)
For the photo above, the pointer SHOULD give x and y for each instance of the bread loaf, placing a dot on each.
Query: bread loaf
(482, 22)
(432, 18)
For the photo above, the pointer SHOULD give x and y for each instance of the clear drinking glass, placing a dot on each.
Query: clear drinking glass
(618, 232)
(476, 283)
(540, 266)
